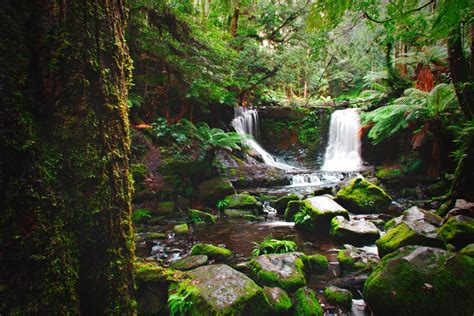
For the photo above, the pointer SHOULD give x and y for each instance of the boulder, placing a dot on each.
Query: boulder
(306, 303)
(414, 227)
(461, 207)
(284, 270)
(221, 290)
(339, 297)
(181, 229)
(353, 259)
(190, 262)
(292, 208)
(213, 252)
(362, 197)
(215, 189)
(280, 302)
(242, 201)
(354, 232)
(322, 210)
(458, 231)
(417, 280)
(315, 264)
(282, 203)
(200, 216)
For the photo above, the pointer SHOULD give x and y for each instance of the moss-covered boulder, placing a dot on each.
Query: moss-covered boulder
(353, 259)
(339, 297)
(213, 252)
(190, 262)
(468, 250)
(354, 232)
(292, 208)
(306, 303)
(280, 302)
(215, 189)
(193, 169)
(362, 197)
(281, 204)
(242, 201)
(221, 290)
(203, 217)
(315, 264)
(164, 208)
(181, 229)
(284, 270)
(417, 280)
(322, 210)
(458, 231)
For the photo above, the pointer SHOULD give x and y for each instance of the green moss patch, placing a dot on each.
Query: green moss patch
(362, 197)
(306, 303)
(280, 302)
(213, 252)
(458, 231)
(338, 296)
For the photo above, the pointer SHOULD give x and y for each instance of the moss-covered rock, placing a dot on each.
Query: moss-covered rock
(200, 216)
(186, 168)
(468, 250)
(353, 259)
(458, 231)
(291, 210)
(181, 229)
(284, 270)
(306, 303)
(190, 262)
(418, 280)
(362, 197)
(282, 203)
(215, 189)
(322, 210)
(213, 252)
(354, 232)
(406, 234)
(338, 296)
(164, 208)
(242, 201)
(221, 290)
(155, 235)
(280, 302)
(385, 174)
(315, 264)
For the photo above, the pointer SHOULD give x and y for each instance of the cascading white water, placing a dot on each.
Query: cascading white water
(245, 122)
(343, 150)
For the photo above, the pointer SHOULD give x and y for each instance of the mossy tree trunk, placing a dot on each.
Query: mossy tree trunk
(66, 242)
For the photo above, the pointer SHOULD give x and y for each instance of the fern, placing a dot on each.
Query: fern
(222, 205)
(269, 245)
(303, 220)
(179, 302)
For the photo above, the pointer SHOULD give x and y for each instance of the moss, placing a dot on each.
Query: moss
(139, 172)
(282, 203)
(468, 250)
(445, 208)
(389, 224)
(458, 230)
(141, 215)
(361, 196)
(199, 216)
(155, 235)
(292, 279)
(348, 264)
(402, 235)
(280, 302)
(213, 252)
(440, 284)
(340, 297)
(322, 217)
(387, 173)
(317, 264)
(306, 303)
(242, 201)
(164, 208)
(181, 229)
(291, 210)
(215, 189)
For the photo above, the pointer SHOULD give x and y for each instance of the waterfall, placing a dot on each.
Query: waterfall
(343, 150)
(245, 122)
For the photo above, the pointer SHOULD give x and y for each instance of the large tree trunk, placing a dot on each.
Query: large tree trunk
(66, 242)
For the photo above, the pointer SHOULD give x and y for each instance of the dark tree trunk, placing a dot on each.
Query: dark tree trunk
(460, 75)
(66, 242)
(234, 24)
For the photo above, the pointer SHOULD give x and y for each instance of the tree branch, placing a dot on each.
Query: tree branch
(402, 14)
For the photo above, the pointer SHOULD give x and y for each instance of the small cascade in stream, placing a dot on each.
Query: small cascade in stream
(343, 150)
(245, 122)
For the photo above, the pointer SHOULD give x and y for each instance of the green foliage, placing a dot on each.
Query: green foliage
(179, 301)
(140, 215)
(464, 139)
(270, 245)
(415, 106)
(222, 204)
(304, 220)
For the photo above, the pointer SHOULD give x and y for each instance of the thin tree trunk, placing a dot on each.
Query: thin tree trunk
(235, 21)
(65, 230)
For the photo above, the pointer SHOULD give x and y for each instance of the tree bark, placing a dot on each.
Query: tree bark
(65, 232)
(234, 24)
